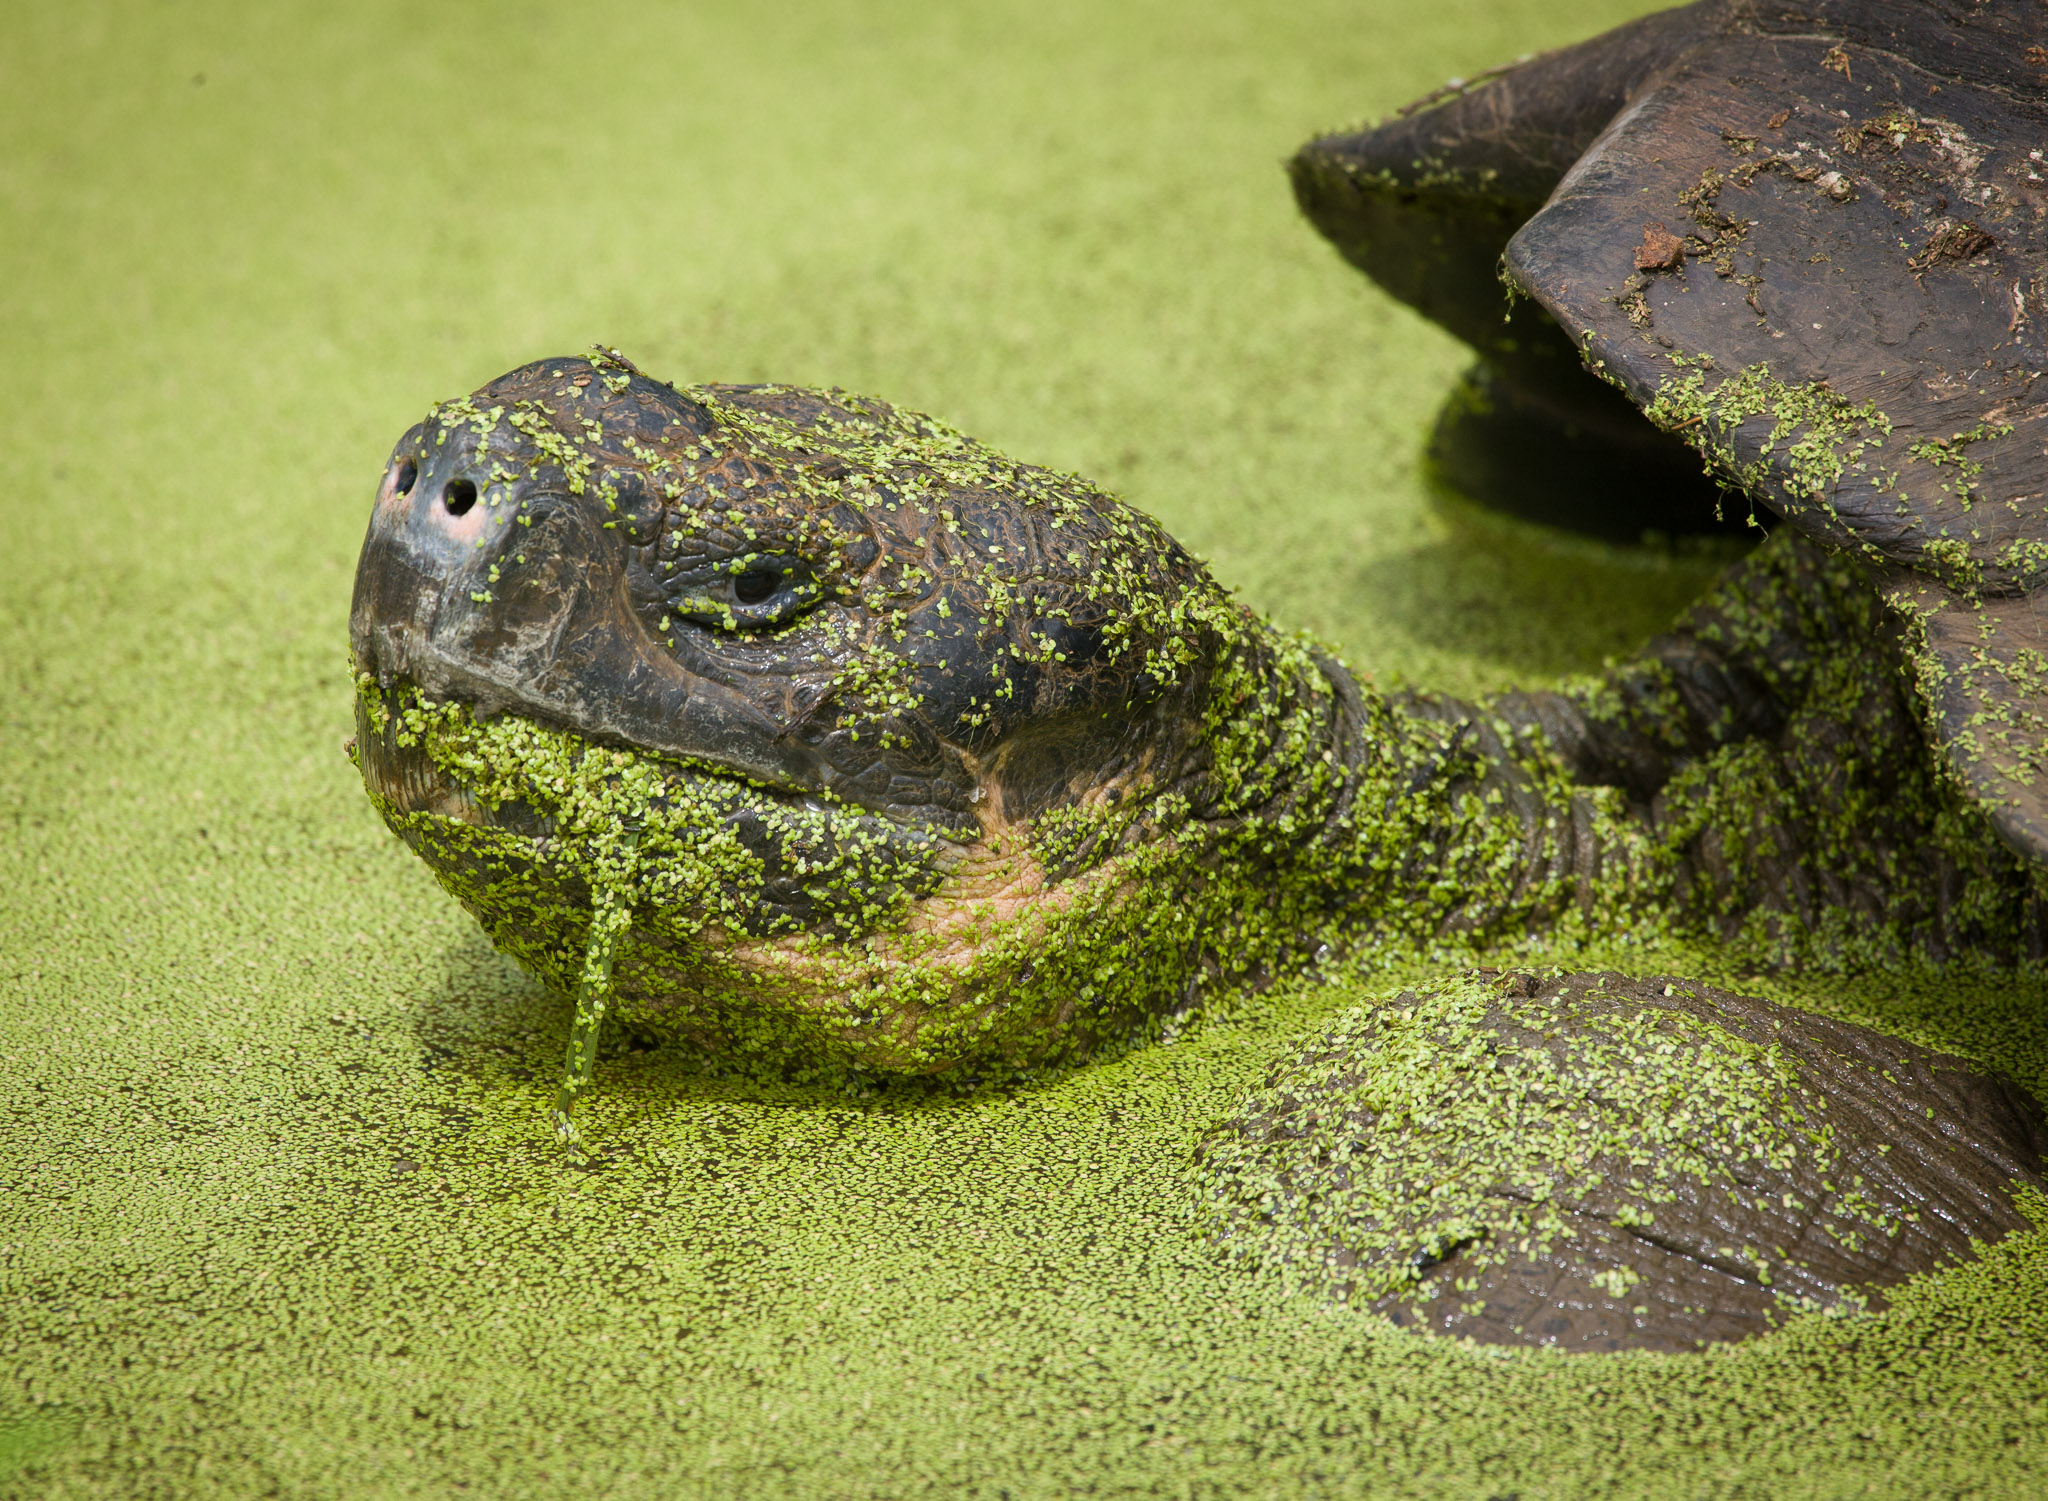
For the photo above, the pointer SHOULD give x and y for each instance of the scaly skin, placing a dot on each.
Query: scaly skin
(906, 756)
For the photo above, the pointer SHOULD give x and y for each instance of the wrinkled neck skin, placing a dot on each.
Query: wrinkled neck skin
(1412, 819)
(1760, 775)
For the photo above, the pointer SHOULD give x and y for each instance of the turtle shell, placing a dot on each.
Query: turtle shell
(1809, 243)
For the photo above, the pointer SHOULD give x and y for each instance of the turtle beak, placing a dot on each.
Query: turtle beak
(428, 533)
(511, 595)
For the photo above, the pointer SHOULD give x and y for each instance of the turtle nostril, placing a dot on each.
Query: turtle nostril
(458, 495)
(408, 475)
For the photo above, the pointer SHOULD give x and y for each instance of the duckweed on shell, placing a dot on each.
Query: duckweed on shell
(1599, 1163)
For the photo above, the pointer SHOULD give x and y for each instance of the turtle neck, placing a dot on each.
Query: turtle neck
(1760, 775)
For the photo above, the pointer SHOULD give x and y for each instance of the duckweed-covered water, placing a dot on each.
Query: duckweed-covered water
(286, 1214)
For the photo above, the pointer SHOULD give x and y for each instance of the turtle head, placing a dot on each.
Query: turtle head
(808, 590)
(855, 658)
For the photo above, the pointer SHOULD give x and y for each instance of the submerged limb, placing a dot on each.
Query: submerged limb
(611, 915)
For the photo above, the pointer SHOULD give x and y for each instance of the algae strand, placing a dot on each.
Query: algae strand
(611, 916)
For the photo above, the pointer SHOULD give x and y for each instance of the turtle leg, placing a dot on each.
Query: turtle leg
(1776, 747)
(1638, 1165)
(1735, 667)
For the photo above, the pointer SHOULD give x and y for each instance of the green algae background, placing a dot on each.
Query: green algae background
(283, 1215)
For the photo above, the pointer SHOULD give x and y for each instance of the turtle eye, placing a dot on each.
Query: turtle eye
(749, 594)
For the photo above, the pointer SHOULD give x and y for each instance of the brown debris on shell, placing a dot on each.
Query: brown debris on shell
(1956, 240)
(1660, 249)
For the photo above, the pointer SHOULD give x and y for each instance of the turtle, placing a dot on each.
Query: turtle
(806, 731)
(811, 734)
(846, 740)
